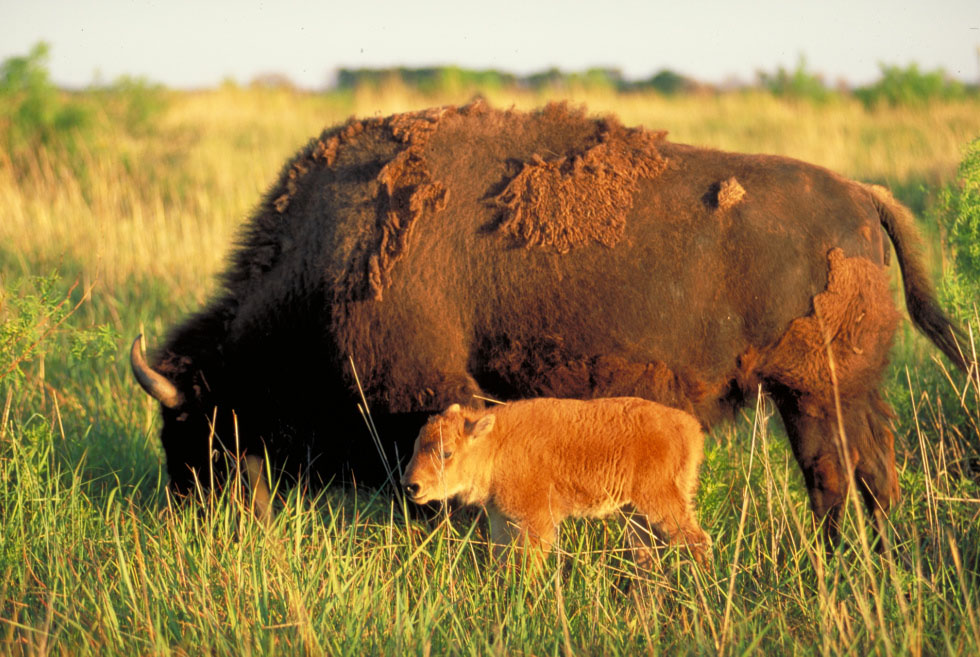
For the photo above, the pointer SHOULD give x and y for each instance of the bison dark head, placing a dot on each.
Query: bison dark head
(192, 425)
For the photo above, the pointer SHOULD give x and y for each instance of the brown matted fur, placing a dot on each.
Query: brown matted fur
(729, 193)
(535, 462)
(406, 191)
(580, 197)
(724, 195)
(846, 320)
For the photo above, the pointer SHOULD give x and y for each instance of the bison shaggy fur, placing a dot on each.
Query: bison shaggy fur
(457, 253)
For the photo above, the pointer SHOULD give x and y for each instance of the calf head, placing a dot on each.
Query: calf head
(450, 458)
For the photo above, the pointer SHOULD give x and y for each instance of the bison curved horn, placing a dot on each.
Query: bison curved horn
(155, 384)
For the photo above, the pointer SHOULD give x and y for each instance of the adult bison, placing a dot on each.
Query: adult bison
(459, 252)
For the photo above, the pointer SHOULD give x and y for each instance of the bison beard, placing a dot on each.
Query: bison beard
(460, 252)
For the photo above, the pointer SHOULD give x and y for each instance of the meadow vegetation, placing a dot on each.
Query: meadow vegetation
(118, 205)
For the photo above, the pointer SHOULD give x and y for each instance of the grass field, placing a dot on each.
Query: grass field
(93, 561)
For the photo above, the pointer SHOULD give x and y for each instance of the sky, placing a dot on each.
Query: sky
(197, 44)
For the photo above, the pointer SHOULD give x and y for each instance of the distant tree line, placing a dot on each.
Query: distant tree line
(437, 79)
(896, 86)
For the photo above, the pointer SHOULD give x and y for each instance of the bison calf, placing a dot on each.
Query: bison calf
(534, 463)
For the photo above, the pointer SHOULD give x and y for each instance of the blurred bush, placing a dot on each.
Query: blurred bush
(959, 217)
(798, 84)
(910, 87)
(33, 112)
(133, 103)
(430, 80)
(39, 122)
(668, 83)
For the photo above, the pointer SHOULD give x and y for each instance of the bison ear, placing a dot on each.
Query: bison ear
(453, 409)
(482, 427)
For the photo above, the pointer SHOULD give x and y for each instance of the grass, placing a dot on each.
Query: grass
(94, 561)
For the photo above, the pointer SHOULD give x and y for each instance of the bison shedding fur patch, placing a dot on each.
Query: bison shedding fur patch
(580, 197)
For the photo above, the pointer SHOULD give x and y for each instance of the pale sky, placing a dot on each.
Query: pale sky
(198, 43)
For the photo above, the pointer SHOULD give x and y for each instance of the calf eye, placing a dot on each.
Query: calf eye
(446, 456)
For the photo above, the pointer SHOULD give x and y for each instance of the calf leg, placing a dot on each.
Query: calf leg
(503, 531)
(534, 535)
(670, 515)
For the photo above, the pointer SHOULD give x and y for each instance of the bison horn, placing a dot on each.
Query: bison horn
(155, 384)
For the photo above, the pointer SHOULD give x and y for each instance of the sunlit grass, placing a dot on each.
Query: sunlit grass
(94, 561)
(96, 566)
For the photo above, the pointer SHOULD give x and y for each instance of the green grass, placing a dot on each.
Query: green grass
(94, 561)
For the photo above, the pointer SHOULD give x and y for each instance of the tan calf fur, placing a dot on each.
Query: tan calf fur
(534, 463)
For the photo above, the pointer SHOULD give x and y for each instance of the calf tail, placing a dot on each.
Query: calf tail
(920, 298)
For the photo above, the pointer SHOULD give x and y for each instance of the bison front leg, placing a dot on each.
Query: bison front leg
(503, 532)
(641, 538)
(261, 502)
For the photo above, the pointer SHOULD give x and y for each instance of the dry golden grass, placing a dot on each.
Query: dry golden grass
(167, 205)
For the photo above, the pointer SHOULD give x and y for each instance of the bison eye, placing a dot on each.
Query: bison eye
(446, 456)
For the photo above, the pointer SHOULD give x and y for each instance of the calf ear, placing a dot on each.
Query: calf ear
(482, 427)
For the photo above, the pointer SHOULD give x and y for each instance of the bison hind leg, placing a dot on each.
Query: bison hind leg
(875, 474)
(818, 437)
(875, 470)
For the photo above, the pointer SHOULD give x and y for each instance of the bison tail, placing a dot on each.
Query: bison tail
(920, 298)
